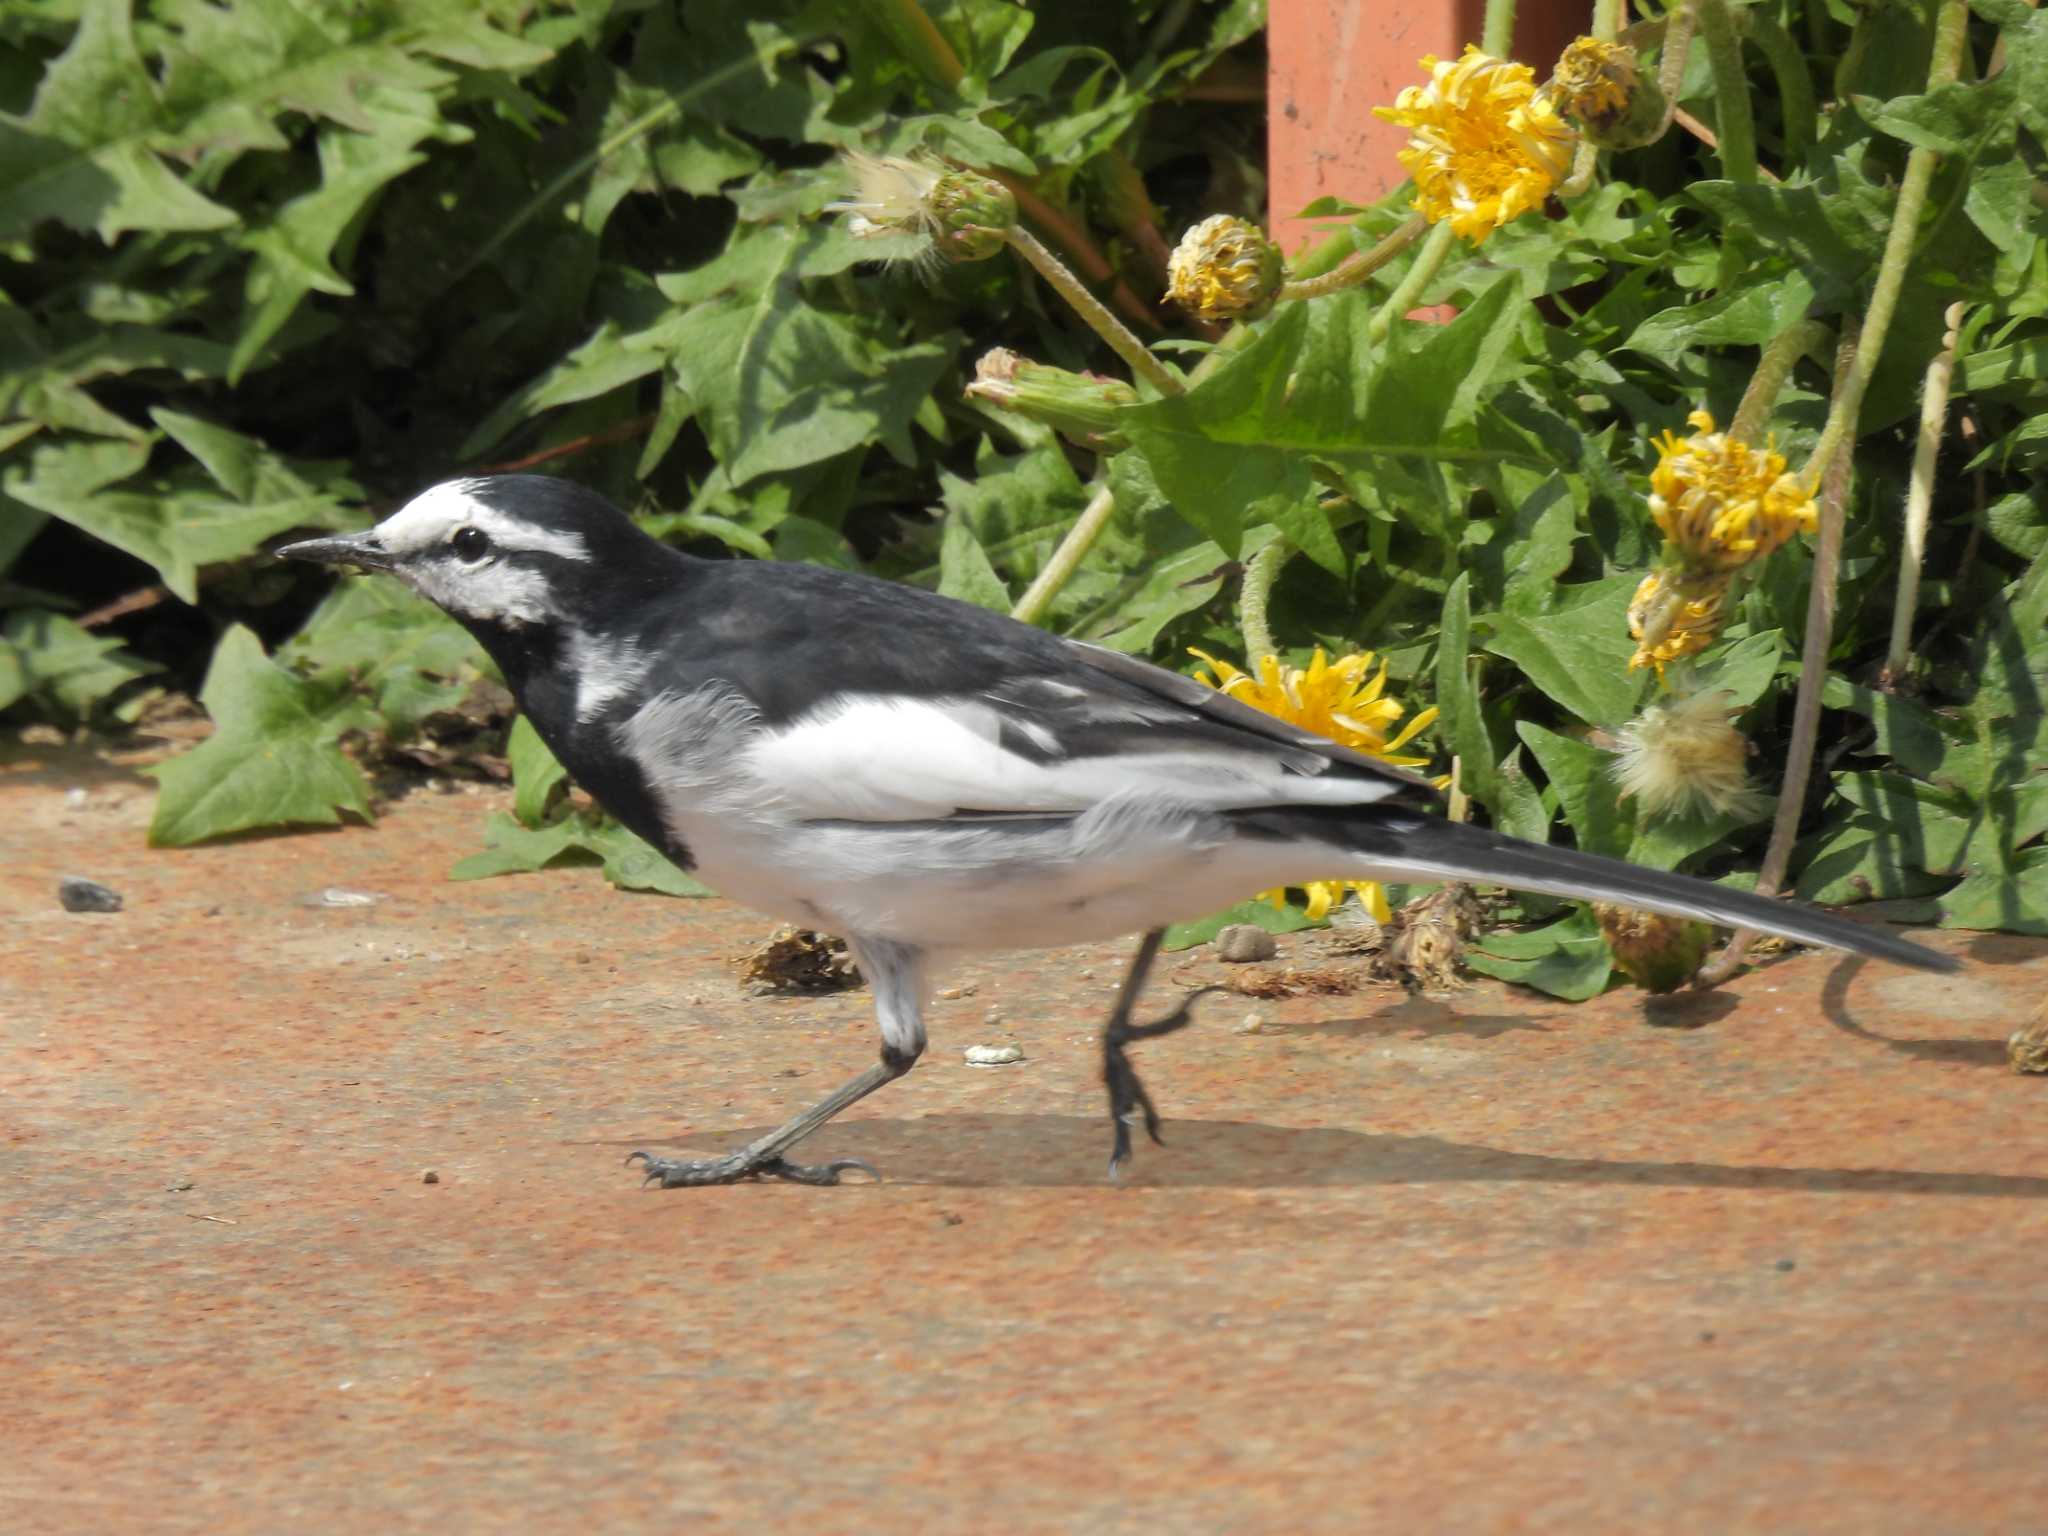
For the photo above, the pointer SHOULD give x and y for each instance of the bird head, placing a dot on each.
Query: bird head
(504, 553)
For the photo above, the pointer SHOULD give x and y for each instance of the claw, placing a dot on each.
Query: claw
(671, 1173)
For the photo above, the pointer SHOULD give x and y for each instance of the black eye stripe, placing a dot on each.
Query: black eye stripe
(471, 543)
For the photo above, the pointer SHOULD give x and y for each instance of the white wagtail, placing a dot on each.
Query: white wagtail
(923, 777)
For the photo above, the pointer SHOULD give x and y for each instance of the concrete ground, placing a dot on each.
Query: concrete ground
(1769, 1259)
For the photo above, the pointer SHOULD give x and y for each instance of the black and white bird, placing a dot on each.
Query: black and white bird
(924, 777)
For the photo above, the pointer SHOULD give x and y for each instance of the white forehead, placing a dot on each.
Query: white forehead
(431, 518)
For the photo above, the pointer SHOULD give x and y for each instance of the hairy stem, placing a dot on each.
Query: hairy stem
(1077, 247)
(1678, 29)
(1813, 669)
(1733, 122)
(1066, 559)
(1773, 368)
(1949, 29)
(1092, 310)
(1256, 592)
(1497, 31)
(1920, 493)
(1428, 261)
(1358, 266)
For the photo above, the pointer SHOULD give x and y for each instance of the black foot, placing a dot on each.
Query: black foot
(734, 1167)
(1127, 1095)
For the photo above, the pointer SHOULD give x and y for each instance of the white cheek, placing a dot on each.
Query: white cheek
(493, 592)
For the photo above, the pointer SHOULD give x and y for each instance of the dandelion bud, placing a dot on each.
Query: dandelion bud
(971, 215)
(1081, 407)
(1684, 753)
(1675, 614)
(1224, 267)
(1598, 84)
(1658, 954)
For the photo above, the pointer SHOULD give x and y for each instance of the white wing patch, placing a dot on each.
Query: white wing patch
(603, 671)
(883, 759)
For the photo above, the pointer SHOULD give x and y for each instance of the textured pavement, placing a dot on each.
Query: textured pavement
(1766, 1260)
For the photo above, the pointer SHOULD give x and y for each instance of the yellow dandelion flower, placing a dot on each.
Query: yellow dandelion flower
(1344, 700)
(1484, 145)
(1223, 267)
(1722, 503)
(1673, 616)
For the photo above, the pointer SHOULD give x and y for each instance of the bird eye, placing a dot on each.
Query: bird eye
(472, 544)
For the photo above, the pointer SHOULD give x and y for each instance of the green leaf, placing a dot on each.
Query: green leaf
(964, 571)
(581, 837)
(272, 760)
(1579, 656)
(1749, 315)
(1237, 449)
(1568, 959)
(1259, 912)
(1460, 725)
(374, 637)
(535, 773)
(85, 154)
(67, 667)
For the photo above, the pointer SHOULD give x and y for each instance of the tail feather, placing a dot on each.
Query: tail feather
(1406, 845)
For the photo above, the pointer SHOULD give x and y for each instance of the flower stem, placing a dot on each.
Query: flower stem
(1427, 262)
(1497, 31)
(1920, 493)
(1733, 123)
(1813, 669)
(1092, 309)
(918, 39)
(1257, 590)
(1772, 370)
(1949, 28)
(1066, 559)
(1678, 28)
(1358, 266)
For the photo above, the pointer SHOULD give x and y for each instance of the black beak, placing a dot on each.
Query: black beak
(343, 549)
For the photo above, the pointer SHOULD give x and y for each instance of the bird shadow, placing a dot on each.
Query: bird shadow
(1416, 1015)
(1834, 1004)
(1042, 1151)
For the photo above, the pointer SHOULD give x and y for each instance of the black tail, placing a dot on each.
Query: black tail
(1406, 845)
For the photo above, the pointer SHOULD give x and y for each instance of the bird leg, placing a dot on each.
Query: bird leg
(895, 972)
(763, 1159)
(1127, 1095)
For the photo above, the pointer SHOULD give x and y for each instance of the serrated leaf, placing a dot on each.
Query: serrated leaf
(372, 635)
(1578, 656)
(627, 861)
(67, 667)
(1751, 314)
(272, 760)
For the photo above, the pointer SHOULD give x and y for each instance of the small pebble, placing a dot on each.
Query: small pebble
(78, 894)
(430, 1177)
(1253, 1024)
(340, 896)
(993, 1055)
(1242, 943)
(994, 1015)
(75, 797)
(953, 994)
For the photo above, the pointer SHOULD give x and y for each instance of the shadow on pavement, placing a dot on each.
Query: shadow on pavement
(1834, 1002)
(1052, 1151)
